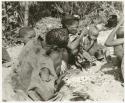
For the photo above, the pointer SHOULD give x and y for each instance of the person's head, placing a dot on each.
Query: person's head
(57, 38)
(112, 21)
(71, 23)
(93, 33)
(26, 34)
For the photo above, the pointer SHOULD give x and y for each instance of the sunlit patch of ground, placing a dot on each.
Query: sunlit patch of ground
(100, 82)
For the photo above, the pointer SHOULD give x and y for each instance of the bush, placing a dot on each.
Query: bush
(13, 14)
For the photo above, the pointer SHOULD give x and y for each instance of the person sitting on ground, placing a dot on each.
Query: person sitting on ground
(117, 43)
(88, 48)
(70, 23)
(37, 74)
(105, 30)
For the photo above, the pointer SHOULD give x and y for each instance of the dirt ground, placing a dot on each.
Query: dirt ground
(100, 82)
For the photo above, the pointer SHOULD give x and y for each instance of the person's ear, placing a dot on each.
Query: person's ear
(40, 38)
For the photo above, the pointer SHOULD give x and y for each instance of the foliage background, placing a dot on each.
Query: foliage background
(18, 14)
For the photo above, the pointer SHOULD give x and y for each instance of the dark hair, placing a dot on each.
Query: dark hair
(57, 38)
(24, 31)
(68, 20)
(112, 21)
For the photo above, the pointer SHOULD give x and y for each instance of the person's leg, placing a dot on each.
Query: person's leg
(122, 68)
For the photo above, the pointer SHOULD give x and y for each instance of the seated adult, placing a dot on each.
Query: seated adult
(37, 72)
(117, 43)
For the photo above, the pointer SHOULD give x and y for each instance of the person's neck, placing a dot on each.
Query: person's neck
(45, 46)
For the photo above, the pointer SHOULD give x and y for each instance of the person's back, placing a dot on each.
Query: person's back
(39, 57)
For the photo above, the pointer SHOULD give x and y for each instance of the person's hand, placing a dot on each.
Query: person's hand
(81, 94)
(33, 95)
(61, 77)
(58, 97)
(84, 32)
(8, 64)
(63, 67)
(94, 59)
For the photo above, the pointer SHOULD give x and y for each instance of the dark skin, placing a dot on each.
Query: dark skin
(110, 41)
(75, 43)
(72, 47)
(56, 57)
(117, 43)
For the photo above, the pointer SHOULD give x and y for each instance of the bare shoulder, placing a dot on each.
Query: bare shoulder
(26, 50)
(120, 32)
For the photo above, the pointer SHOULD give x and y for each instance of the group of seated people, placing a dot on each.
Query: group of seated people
(38, 72)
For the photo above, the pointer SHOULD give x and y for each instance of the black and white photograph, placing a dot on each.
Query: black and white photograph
(62, 51)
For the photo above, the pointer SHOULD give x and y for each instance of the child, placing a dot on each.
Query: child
(26, 34)
(70, 23)
(117, 43)
(39, 67)
(88, 48)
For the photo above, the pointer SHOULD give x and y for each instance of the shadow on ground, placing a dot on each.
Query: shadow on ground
(109, 68)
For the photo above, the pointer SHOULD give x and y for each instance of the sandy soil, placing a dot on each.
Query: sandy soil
(6, 74)
(100, 82)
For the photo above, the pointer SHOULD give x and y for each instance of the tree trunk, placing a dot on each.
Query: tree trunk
(26, 15)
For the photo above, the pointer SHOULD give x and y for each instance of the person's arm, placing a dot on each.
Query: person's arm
(110, 41)
(115, 42)
(33, 95)
(59, 82)
(86, 44)
(75, 43)
(87, 56)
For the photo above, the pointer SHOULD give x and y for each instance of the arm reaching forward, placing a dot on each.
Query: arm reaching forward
(75, 43)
